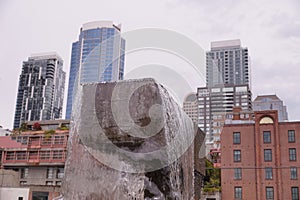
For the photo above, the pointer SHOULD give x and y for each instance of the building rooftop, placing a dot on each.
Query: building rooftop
(100, 24)
(18, 141)
(49, 122)
(216, 45)
(191, 97)
(262, 97)
(44, 55)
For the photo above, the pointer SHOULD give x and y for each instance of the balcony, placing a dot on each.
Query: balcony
(38, 157)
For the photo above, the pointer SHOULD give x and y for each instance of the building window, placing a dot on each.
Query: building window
(238, 173)
(267, 136)
(60, 173)
(49, 182)
(292, 154)
(58, 154)
(238, 192)
(268, 173)
(267, 155)
(59, 139)
(33, 155)
(295, 193)
(237, 138)
(50, 172)
(269, 193)
(58, 183)
(24, 172)
(10, 155)
(21, 155)
(294, 174)
(237, 155)
(291, 136)
(46, 141)
(23, 182)
(45, 155)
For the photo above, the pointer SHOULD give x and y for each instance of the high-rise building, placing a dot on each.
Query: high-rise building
(97, 56)
(227, 86)
(271, 102)
(41, 89)
(260, 158)
(190, 107)
(214, 103)
(227, 63)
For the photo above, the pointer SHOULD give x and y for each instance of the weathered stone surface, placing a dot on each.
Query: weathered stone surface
(129, 140)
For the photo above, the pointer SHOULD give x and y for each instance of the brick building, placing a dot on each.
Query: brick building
(260, 158)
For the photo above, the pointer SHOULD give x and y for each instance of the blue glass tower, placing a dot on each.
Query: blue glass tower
(98, 56)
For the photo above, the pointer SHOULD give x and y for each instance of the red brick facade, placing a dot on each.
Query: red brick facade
(261, 158)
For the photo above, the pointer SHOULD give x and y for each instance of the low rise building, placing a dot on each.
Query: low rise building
(260, 158)
(38, 156)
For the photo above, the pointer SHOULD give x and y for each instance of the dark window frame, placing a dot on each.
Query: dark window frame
(237, 155)
(295, 194)
(294, 173)
(268, 173)
(292, 154)
(267, 137)
(238, 173)
(238, 192)
(291, 136)
(267, 155)
(270, 193)
(236, 138)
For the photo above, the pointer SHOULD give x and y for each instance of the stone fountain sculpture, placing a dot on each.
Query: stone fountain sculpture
(129, 140)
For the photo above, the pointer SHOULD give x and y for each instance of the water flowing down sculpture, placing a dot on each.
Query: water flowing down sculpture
(129, 140)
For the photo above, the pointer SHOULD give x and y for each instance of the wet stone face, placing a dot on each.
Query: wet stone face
(129, 140)
(139, 104)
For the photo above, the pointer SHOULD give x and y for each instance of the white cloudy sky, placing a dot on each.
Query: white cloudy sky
(269, 28)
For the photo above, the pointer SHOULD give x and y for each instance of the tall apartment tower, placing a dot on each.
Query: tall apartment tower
(227, 63)
(97, 56)
(41, 89)
(215, 103)
(227, 86)
(271, 102)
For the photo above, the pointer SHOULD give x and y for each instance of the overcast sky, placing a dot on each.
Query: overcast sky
(269, 28)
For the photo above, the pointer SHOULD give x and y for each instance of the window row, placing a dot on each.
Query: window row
(267, 155)
(268, 173)
(43, 155)
(266, 137)
(269, 192)
(51, 173)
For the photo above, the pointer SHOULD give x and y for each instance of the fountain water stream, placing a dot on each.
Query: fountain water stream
(108, 160)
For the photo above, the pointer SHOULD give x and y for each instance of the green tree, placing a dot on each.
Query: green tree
(212, 181)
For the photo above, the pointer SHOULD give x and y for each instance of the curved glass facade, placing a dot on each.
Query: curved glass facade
(98, 56)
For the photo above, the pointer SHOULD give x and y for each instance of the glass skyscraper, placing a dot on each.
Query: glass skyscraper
(97, 56)
(41, 89)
